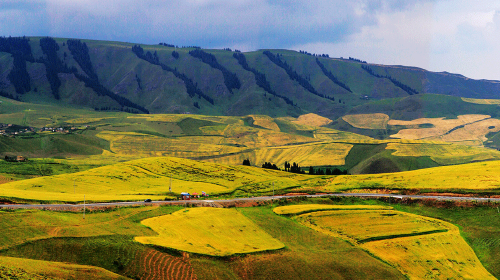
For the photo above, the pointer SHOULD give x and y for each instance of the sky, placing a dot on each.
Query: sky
(459, 36)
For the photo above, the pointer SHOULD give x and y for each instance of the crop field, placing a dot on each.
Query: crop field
(149, 178)
(312, 119)
(210, 231)
(308, 208)
(466, 129)
(367, 121)
(306, 154)
(472, 177)
(265, 122)
(17, 268)
(482, 101)
(420, 247)
(443, 153)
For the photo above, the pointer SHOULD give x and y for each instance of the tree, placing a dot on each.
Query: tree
(246, 162)
(311, 170)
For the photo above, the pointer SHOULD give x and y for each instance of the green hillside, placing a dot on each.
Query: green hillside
(115, 76)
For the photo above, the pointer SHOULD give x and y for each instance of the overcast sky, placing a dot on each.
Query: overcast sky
(459, 36)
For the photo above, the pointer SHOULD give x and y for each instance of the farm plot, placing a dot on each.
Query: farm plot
(312, 120)
(148, 178)
(420, 247)
(308, 208)
(466, 129)
(367, 121)
(444, 154)
(456, 178)
(209, 231)
(313, 154)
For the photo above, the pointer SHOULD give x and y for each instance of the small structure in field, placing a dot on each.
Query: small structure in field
(16, 158)
(185, 196)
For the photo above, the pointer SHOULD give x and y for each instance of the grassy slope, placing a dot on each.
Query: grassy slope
(17, 268)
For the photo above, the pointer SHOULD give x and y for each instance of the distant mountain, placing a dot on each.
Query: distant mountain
(115, 76)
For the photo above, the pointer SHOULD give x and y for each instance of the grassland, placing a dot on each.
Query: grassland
(403, 240)
(209, 231)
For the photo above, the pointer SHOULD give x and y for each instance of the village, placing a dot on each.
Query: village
(12, 130)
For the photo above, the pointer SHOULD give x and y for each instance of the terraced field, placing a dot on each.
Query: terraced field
(418, 246)
(209, 231)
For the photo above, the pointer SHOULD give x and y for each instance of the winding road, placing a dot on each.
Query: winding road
(69, 207)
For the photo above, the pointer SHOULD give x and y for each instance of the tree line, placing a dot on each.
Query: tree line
(327, 171)
(294, 75)
(260, 78)
(20, 50)
(295, 168)
(313, 54)
(357, 60)
(230, 79)
(191, 88)
(80, 53)
(332, 77)
(397, 83)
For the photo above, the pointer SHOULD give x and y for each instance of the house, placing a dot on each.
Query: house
(15, 159)
(185, 196)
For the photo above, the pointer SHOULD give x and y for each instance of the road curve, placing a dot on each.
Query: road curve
(69, 207)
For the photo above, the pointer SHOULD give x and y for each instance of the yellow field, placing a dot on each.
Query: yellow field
(314, 154)
(442, 153)
(36, 269)
(312, 119)
(265, 122)
(482, 101)
(420, 247)
(434, 256)
(365, 225)
(148, 178)
(472, 176)
(466, 129)
(209, 231)
(307, 208)
(367, 121)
